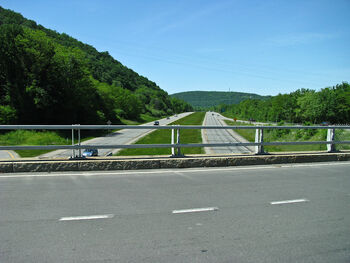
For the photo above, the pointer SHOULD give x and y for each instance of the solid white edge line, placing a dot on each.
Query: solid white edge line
(77, 218)
(289, 201)
(195, 210)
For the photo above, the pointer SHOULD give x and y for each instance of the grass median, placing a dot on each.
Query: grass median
(164, 137)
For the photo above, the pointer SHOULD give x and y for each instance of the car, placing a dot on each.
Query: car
(90, 152)
(156, 123)
(324, 123)
(167, 118)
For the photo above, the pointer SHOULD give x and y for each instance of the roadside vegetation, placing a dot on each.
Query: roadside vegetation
(164, 137)
(28, 137)
(51, 78)
(303, 106)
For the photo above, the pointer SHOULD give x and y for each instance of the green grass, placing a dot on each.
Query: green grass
(285, 135)
(164, 137)
(28, 137)
(31, 137)
(342, 135)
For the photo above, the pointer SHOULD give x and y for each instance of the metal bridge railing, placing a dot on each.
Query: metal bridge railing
(175, 144)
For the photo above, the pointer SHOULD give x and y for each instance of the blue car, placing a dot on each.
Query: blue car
(90, 152)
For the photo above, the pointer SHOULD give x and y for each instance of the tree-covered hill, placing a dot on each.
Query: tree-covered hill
(207, 99)
(52, 78)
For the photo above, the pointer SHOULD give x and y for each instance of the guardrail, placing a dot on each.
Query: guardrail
(175, 144)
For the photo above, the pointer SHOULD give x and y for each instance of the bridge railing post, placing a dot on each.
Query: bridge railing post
(73, 150)
(172, 142)
(178, 142)
(73, 143)
(330, 138)
(79, 142)
(175, 150)
(259, 138)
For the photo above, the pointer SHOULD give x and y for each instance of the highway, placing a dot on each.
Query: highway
(125, 136)
(277, 213)
(221, 136)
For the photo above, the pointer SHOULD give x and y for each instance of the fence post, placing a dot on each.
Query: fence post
(330, 138)
(259, 138)
(79, 142)
(178, 142)
(73, 150)
(172, 142)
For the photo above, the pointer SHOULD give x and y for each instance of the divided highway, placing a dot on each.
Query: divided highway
(221, 136)
(125, 136)
(277, 213)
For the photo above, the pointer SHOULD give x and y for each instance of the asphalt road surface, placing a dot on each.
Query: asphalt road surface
(220, 136)
(8, 155)
(125, 136)
(278, 213)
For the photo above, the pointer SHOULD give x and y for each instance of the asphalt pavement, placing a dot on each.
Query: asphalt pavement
(125, 136)
(8, 155)
(221, 136)
(277, 213)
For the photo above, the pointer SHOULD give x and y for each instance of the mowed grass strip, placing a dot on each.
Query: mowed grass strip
(33, 137)
(164, 137)
(29, 137)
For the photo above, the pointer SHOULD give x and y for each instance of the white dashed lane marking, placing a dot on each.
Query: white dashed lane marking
(289, 202)
(195, 210)
(77, 218)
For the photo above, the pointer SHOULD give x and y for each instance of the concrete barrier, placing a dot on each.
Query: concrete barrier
(132, 163)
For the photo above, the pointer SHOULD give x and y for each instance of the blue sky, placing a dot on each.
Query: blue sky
(265, 47)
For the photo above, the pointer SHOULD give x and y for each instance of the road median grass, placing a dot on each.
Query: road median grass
(164, 137)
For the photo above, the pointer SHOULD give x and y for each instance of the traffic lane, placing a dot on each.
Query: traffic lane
(135, 190)
(202, 237)
(246, 227)
(8, 154)
(221, 136)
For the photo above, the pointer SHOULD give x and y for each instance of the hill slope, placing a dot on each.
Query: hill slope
(48, 77)
(206, 99)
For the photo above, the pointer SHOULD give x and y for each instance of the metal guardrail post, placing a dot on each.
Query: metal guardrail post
(73, 143)
(178, 142)
(175, 151)
(259, 138)
(79, 142)
(172, 142)
(73, 150)
(330, 138)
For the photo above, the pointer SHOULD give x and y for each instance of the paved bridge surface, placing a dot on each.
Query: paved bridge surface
(275, 213)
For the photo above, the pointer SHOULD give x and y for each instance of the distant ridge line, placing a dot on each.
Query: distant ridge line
(206, 99)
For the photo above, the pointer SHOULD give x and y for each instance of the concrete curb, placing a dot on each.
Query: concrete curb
(25, 166)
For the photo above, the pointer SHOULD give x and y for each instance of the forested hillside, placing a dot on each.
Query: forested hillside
(207, 99)
(302, 106)
(52, 78)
